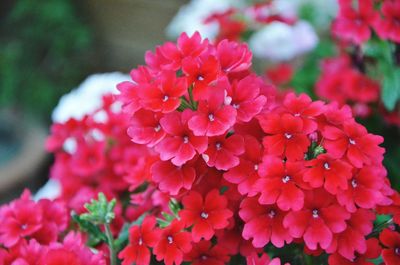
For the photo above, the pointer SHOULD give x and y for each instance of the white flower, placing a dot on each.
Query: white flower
(51, 190)
(279, 41)
(88, 96)
(190, 18)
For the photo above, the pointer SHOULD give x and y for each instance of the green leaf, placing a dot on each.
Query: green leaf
(100, 211)
(96, 235)
(174, 206)
(391, 88)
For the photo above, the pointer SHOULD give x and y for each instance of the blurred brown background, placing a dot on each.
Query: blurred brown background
(47, 48)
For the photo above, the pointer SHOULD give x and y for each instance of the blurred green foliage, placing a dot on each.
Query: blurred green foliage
(44, 52)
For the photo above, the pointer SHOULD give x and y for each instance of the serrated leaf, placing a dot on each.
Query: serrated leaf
(89, 228)
(99, 211)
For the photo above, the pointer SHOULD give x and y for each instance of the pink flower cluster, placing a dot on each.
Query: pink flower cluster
(249, 169)
(356, 20)
(31, 233)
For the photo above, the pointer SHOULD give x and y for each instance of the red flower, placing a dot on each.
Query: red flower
(354, 25)
(222, 152)
(201, 72)
(140, 239)
(325, 171)
(352, 241)
(391, 240)
(145, 128)
(359, 146)
(302, 106)
(20, 219)
(180, 144)
(164, 93)
(263, 224)
(286, 135)
(173, 244)
(129, 95)
(185, 47)
(320, 218)
(171, 178)
(373, 252)
(88, 159)
(388, 26)
(205, 215)
(212, 117)
(280, 74)
(246, 98)
(281, 183)
(254, 259)
(203, 253)
(364, 190)
(245, 174)
(233, 56)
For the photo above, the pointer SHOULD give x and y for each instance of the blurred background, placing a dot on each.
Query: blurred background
(49, 47)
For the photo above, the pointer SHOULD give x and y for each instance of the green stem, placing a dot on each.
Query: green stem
(110, 239)
(308, 259)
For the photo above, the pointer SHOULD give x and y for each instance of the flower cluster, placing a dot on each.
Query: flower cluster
(344, 83)
(211, 164)
(32, 233)
(248, 168)
(94, 154)
(365, 58)
(355, 21)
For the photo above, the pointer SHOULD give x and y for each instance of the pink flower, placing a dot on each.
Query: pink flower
(173, 244)
(222, 152)
(140, 239)
(180, 144)
(212, 117)
(320, 218)
(205, 215)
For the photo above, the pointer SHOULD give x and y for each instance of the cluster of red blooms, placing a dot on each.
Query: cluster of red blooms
(343, 79)
(33, 233)
(356, 19)
(246, 168)
(342, 82)
(94, 154)
(234, 23)
(249, 169)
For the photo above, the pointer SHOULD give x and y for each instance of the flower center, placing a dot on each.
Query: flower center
(397, 251)
(140, 242)
(218, 145)
(351, 141)
(354, 183)
(203, 257)
(285, 179)
(204, 215)
(170, 239)
(315, 213)
(271, 214)
(296, 114)
(236, 106)
(157, 128)
(288, 135)
(211, 117)
(200, 77)
(185, 139)
(326, 166)
(165, 98)
(24, 226)
(256, 167)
